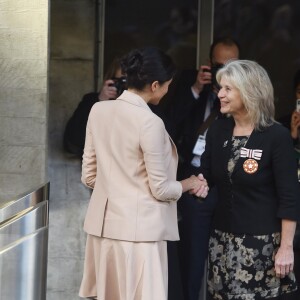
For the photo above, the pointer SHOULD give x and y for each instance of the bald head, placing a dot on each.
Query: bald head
(222, 50)
(222, 53)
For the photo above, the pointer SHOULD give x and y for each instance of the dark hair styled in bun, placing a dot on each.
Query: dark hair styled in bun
(146, 65)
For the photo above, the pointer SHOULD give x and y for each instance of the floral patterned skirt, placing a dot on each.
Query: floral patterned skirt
(242, 267)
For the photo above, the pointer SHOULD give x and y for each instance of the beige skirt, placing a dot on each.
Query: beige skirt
(121, 270)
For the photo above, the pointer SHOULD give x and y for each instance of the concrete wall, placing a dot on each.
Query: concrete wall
(23, 95)
(71, 62)
(71, 76)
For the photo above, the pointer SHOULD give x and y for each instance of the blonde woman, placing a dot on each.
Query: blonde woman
(250, 158)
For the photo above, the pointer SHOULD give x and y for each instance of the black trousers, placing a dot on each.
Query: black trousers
(194, 230)
(174, 276)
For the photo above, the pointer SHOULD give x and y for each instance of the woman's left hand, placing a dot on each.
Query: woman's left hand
(284, 261)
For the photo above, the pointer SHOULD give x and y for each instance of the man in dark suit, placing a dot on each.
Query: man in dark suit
(191, 100)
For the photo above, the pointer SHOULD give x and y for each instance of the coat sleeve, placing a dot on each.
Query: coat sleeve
(285, 175)
(152, 142)
(89, 163)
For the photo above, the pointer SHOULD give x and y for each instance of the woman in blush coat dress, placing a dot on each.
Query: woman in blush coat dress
(130, 162)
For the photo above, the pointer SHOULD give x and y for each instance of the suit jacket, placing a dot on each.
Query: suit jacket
(131, 162)
(184, 116)
(252, 203)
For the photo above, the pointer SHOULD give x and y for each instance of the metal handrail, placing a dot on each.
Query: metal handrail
(24, 246)
(24, 201)
(23, 267)
(23, 223)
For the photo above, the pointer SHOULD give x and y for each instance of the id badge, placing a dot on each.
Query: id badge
(200, 145)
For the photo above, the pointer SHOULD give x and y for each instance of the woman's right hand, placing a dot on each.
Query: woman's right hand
(195, 185)
(295, 124)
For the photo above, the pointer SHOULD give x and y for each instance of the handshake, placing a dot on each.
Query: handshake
(195, 185)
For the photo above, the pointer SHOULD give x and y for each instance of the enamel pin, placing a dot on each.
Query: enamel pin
(250, 165)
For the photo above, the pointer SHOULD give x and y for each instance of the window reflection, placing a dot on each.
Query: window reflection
(268, 32)
(169, 25)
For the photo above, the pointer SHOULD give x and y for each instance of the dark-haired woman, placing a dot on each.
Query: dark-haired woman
(130, 163)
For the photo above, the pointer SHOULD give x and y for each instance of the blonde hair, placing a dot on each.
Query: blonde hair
(255, 88)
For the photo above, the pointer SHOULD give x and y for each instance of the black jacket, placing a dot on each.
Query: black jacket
(74, 135)
(253, 203)
(184, 115)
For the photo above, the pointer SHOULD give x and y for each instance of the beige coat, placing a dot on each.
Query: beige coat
(130, 162)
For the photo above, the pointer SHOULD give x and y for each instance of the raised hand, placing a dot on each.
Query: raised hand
(108, 91)
(203, 78)
(295, 124)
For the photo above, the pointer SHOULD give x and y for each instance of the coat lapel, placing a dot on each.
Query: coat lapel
(226, 143)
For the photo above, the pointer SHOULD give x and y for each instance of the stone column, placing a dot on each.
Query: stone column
(23, 95)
